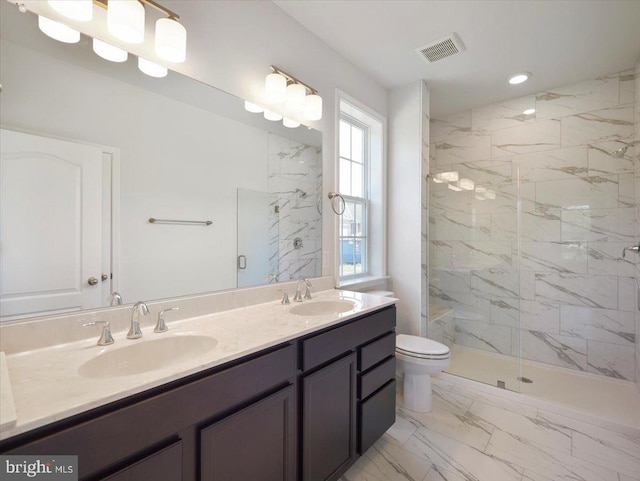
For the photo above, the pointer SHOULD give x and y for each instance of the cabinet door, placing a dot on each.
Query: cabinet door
(255, 444)
(165, 465)
(329, 420)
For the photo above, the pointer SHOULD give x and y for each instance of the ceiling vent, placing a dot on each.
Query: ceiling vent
(442, 48)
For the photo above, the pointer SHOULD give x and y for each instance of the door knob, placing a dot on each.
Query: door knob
(92, 281)
(104, 277)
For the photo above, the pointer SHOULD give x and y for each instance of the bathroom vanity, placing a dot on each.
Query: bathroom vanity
(302, 409)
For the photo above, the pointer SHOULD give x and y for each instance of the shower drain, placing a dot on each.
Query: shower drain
(525, 380)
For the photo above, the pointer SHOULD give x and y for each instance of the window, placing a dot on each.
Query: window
(361, 229)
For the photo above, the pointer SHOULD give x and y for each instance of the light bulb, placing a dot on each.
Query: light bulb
(58, 31)
(529, 111)
(275, 88)
(151, 69)
(273, 116)
(109, 52)
(519, 78)
(295, 102)
(80, 10)
(125, 20)
(292, 124)
(313, 107)
(171, 40)
(253, 108)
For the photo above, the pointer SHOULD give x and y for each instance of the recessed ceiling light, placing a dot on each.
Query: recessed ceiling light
(529, 111)
(519, 78)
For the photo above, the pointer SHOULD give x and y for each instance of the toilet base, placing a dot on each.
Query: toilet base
(417, 393)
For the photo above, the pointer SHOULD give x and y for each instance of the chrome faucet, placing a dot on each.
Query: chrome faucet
(105, 336)
(134, 330)
(115, 299)
(272, 278)
(161, 326)
(307, 292)
(298, 296)
(635, 249)
(285, 297)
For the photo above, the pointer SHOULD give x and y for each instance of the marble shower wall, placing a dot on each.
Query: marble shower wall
(295, 175)
(636, 164)
(548, 282)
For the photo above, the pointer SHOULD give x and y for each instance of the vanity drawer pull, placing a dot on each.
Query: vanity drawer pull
(377, 377)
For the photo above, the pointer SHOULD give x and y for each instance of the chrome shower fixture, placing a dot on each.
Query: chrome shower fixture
(623, 150)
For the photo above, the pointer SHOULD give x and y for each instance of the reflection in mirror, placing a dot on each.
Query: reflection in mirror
(91, 150)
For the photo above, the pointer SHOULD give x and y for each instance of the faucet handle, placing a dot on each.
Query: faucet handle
(285, 297)
(298, 296)
(307, 292)
(161, 326)
(105, 337)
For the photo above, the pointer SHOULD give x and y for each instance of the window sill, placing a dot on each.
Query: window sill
(364, 283)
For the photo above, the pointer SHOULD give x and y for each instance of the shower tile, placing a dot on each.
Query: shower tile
(606, 325)
(578, 289)
(598, 192)
(567, 257)
(450, 280)
(527, 285)
(577, 98)
(626, 193)
(534, 137)
(487, 173)
(598, 224)
(627, 294)
(602, 162)
(546, 461)
(466, 305)
(505, 311)
(540, 316)
(611, 360)
(443, 199)
(501, 115)
(456, 457)
(454, 150)
(560, 164)
(506, 199)
(627, 80)
(525, 428)
(456, 226)
(614, 123)
(535, 226)
(440, 253)
(479, 255)
(605, 258)
(495, 282)
(564, 351)
(481, 335)
(456, 125)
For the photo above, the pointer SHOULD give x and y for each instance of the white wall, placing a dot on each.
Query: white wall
(231, 45)
(404, 203)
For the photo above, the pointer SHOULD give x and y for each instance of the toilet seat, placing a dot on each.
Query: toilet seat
(420, 347)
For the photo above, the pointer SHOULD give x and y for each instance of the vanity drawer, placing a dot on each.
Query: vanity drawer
(133, 427)
(377, 377)
(164, 465)
(373, 353)
(377, 414)
(334, 343)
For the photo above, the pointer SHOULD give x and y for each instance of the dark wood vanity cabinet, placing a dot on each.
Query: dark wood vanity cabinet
(301, 411)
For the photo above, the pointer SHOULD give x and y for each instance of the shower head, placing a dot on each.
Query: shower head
(623, 150)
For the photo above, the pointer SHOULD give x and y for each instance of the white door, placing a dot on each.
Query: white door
(50, 225)
(257, 237)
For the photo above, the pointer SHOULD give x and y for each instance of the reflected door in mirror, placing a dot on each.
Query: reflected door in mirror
(50, 225)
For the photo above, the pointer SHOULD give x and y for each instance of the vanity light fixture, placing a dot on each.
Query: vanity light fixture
(58, 31)
(171, 40)
(152, 69)
(273, 116)
(300, 99)
(296, 94)
(292, 124)
(109, 52)
(519, 78)
(253, 108)
(79, 10)
(125, 20)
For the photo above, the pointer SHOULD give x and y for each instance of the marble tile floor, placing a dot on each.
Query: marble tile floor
(608, 399)
(472, 435)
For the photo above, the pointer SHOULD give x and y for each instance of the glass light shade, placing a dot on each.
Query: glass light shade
(275, 88)
(313, 107)
(58, 31)
(171, 40)
(292, 124)
(152, 69)
(467, 184)
(295, 102)
(253, 108)
(109, 52)
(273, 116)
(80, 10)
(125, 20)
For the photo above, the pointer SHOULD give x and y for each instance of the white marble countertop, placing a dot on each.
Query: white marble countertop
(47, 387)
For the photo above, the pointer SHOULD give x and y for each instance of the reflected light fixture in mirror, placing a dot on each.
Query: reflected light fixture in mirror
(125, 20)
(253, 108)
(57, 30)
(292, 124)
(109, 52)
(152, 69)
(79, 10)
(273, 116)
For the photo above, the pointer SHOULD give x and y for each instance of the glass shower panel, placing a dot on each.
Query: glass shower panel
(474, 279)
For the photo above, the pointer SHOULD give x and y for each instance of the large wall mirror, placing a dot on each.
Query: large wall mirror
(92, 150)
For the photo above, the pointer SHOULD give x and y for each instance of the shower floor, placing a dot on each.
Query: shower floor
(608, 399)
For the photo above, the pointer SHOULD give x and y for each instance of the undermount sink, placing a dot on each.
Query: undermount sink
(322, 308)
(145, 356)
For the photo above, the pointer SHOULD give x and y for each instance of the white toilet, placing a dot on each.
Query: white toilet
(417, 358)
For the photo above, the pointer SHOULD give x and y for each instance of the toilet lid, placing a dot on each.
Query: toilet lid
(420, 345)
